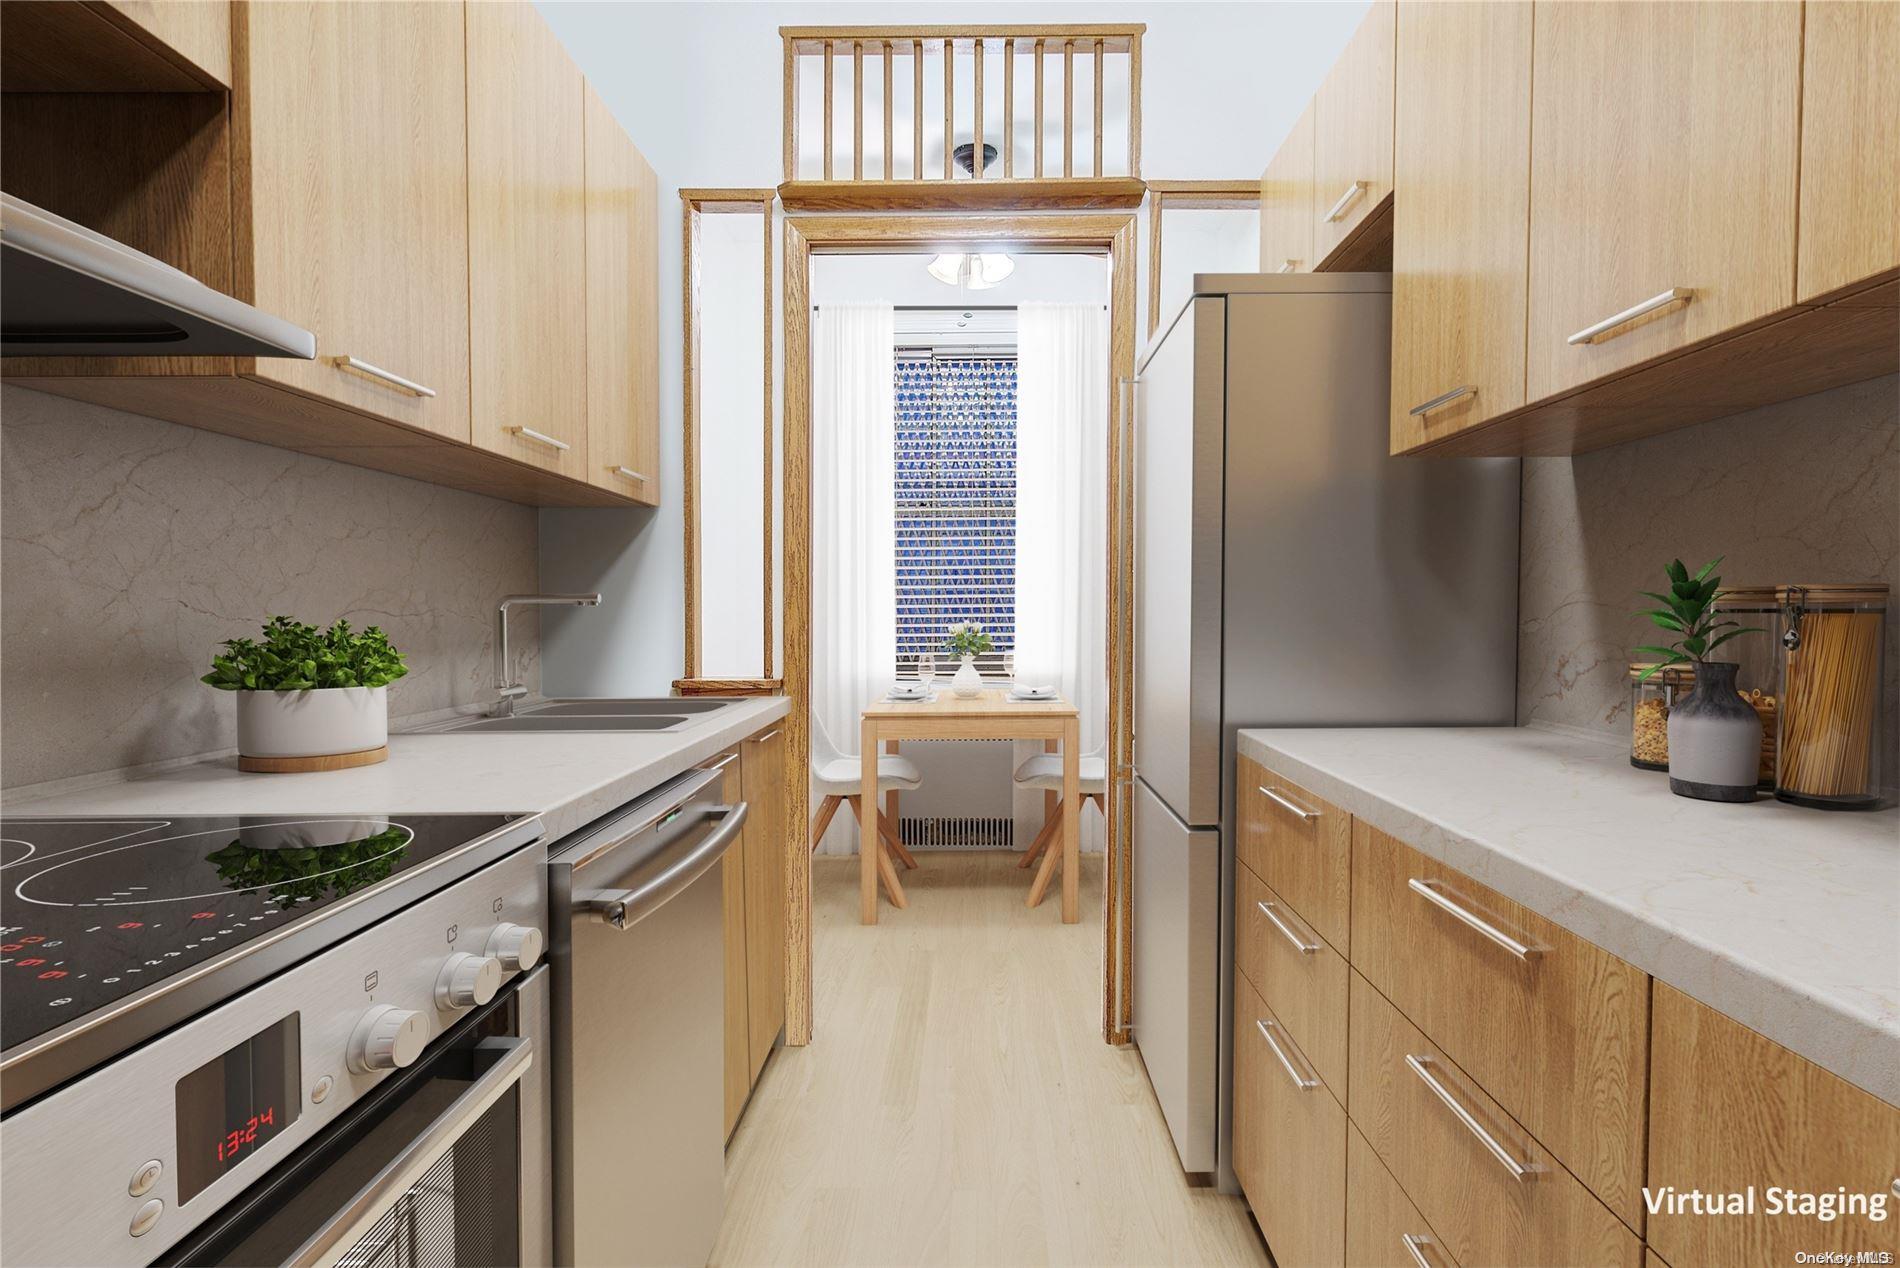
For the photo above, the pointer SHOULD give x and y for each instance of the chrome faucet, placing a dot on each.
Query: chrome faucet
(505, 686)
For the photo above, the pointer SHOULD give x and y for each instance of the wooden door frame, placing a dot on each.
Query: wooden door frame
(1111, 235)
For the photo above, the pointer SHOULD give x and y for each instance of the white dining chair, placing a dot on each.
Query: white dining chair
(1044, 772)
(840, 780)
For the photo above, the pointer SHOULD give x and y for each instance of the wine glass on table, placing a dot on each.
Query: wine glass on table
(926, 671)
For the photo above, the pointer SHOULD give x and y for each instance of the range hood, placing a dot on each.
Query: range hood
(66, 291)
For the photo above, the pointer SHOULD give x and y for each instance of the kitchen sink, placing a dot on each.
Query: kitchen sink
(541, 722)
(659, 714)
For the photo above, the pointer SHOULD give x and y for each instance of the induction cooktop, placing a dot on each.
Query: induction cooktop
(95, 911)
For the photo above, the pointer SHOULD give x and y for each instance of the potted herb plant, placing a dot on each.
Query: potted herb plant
(309, 699)
(966, 641)
(1714, 735)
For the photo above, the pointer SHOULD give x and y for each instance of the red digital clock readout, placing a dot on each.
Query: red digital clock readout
(255, 1130)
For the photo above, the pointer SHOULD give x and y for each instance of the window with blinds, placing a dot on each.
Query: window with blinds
(955, 489)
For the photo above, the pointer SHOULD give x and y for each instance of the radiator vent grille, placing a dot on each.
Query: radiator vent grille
(958, 833)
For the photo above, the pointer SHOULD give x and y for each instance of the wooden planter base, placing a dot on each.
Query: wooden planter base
(325, 761)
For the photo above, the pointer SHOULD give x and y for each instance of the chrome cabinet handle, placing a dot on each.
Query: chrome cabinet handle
(1299, 944)
(1603, 329)
(541, 437)
(1296, 808)
(760, 739)
(1291, 266)
(1346, 200)
(1304, 1082)
(1429, 892)
(1518, 1170)
(1415, 1247)
(1438, 402)
(364, 368)
(625, 473)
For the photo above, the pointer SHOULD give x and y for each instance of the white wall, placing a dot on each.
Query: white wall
(697, 86)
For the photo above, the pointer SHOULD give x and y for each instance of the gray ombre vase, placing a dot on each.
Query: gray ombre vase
(1714, 739)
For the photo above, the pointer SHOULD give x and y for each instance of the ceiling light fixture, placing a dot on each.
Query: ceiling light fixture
(971, 272)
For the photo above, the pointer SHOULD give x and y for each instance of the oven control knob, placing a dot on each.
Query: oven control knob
(388, 1038)
(467, 980)
(518, 947)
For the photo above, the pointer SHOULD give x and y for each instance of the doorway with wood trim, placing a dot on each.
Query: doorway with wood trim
(1108, 235)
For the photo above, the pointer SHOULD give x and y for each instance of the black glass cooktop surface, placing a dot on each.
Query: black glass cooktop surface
(95, 909)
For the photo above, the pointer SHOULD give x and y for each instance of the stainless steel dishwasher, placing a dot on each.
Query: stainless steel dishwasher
(638, 1029)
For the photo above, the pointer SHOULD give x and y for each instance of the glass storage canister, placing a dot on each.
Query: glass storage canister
(1651, 699)
(1758, 656)
(1832, 641)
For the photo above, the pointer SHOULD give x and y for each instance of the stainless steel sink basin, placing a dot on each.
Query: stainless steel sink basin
(541, 722)
(661, 714)
(621, 708)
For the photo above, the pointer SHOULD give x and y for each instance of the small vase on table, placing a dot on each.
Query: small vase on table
(967, 683)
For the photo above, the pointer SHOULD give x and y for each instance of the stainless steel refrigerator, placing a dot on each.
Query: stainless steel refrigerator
(1288, 573)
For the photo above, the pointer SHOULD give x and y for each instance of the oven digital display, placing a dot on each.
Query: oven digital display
(228, 1108)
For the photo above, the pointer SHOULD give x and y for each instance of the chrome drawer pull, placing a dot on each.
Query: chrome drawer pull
(1518, 1170)
(760, 739)
(1291, 266)
(541, 437)
(1438, 402)
(1296, 808)
(1346, 200)
(1299, 944)
(627, 473)
(1427, 891)
(1415, 1247)
(1304, 1082)
(1602, 330)
(369, 371)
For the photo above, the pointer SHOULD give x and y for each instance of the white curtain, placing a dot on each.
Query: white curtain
(854, 603)
(1062, 514)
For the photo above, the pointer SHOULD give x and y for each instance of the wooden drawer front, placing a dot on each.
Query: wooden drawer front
(1557, 1034)
(1289, 1140)
(1731, 1108)
(1383, 1228)
(1292, 967)
(1299, 845)
(1490, 1190)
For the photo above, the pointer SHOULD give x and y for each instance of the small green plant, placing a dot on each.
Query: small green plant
(298, 657)
(966, 638)
(1689, 610)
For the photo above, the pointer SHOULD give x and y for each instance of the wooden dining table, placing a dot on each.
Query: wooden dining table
(989, 715)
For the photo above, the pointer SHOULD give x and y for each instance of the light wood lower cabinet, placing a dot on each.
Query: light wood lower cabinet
(1299, 845)
(623, 310)
(1352, 132)
(364, 103)
(763, 758)
(1289, 1140)
(527, 241)
(1286, 202)
(1298, 970)
(1553, 1026)
(1850, 144)
(1664, 142)
(1730, 1111)
(1493, 1193)
(1460, 265)
(1383, 1228)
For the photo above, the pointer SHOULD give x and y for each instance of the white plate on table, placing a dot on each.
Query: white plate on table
(911, 695)
(1028, 694)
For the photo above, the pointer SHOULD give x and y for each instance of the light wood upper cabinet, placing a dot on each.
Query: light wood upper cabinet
(1286, 202)
(527, 242)
(1850, 144)
(1352, 132)
(1663, 158)
(623, 310)
(1730, 1109)
(1460, 267)
(350, 134)
(196, 33)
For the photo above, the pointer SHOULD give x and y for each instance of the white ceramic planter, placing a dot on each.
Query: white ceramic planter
(312, 723)
(967, 682)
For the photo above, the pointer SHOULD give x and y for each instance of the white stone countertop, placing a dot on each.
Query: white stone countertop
(1784, 918)
(568, 778)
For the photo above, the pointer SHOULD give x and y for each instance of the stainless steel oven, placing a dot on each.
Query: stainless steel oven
(444, 1164)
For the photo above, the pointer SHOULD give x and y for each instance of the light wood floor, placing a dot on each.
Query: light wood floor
(958, 1105)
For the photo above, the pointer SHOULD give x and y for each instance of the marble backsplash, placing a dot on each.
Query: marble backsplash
(1806, 490)
(132, 547)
